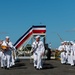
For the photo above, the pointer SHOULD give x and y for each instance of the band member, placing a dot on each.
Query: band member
(1, 41)
(72, 54)
(38, 51)
(62, 49)
(7, 48)
(13, 56)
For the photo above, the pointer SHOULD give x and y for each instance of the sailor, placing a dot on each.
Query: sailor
(68, 52)
(38, 51)
(72, 49)
(74, 53)
(7, 53)
(13, 57)
(1, 41)
(62, 49)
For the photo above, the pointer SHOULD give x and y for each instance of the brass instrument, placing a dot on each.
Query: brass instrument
(57, 54)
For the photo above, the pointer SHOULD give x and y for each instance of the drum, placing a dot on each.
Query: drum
(4, 47)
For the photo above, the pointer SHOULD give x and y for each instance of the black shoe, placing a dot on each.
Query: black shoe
(7, 68)
(11, 66)
(2, 67)
(41, 68)
(35, 67)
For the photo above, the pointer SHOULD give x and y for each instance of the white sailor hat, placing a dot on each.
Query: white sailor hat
(7, 37)
(65, 41)
(71, 42)
(37, 36)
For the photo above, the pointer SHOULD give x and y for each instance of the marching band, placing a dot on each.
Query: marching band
(67, 55)
(8, 55)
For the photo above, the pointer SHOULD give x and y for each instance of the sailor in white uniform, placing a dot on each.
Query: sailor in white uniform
(72, 54)
(13, 56)
(70, 48)
(68, 52)
(7, 53)
(62, 49)
(38, 51)
(0, 49)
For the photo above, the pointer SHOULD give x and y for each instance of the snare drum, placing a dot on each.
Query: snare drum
(4, 47)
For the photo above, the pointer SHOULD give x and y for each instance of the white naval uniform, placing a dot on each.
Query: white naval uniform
(13, 57)
(63, 54)
(68, 54)
(0, 55)
(38, 48)
(74, 52)
(72, 55)
(6, 55)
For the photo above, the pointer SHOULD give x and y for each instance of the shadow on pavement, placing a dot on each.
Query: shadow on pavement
(19, 65)
(48, 66)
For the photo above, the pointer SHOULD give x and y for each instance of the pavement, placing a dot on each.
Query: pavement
(50, 67)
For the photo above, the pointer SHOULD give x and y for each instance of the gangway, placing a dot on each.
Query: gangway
(29, 35)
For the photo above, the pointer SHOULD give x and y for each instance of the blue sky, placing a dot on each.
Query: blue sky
(16, 16)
